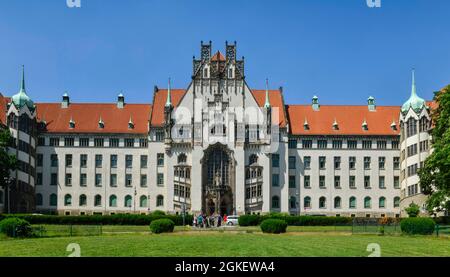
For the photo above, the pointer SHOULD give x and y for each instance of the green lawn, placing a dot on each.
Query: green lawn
(239, 243)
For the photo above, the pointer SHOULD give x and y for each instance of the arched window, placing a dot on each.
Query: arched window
(83, 200)
(293, 202)
(230, 73)
(423, 125)
(98, 200)
(367, 202)
(113, 201)
(128, 201)
(307, 202)
(143, 201)
(322, 202)
(352, 202)
(160, 201)
(412, 127)
(382, 202)
(38, 198)
(53, 200)
(275, 202)
(67, 200)
(182, 159)
(205, 73)
(337, 202)
(396, 202)
(253, 159)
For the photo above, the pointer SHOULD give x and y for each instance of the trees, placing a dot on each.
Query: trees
(7, 162)
(435, 175)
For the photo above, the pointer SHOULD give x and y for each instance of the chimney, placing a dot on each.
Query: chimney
(120, 101)
(315, 103)
(65, 101)
(371, 104)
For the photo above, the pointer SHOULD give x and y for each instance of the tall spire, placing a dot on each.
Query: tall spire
(413, 87)
(414, 101)
(169, 98)
(267, 103)
(22, 85)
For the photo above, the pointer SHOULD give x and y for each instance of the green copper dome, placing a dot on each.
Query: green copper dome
(414, 101)
(21, 98)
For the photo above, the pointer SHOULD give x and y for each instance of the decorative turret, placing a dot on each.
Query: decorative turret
(414, 102)
(168, 108)
(267, 102)
(268, 109)
(169, 97)
(120, 101)
(65, 101)
(21, 98)
(315, 103)
(371, 104)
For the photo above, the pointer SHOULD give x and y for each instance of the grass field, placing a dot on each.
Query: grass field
(238, 243)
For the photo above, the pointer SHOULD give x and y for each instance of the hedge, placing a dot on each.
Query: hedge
(418, 226)
(117, 219)
(274, 226)
(16, 227)
(254, 220)
(163, 225)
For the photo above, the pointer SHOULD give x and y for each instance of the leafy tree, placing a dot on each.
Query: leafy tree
(413, 210)
(435, 175)
(7, 162)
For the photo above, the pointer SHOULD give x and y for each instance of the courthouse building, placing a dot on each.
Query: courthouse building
(218, 145)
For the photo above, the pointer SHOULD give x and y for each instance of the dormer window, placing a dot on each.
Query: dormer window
(306, 125)
(364, 126)
(71, 123)
(394, 126)
(335, 125)
(101, 124)
(130, 124)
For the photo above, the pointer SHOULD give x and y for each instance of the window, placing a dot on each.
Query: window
(99, 142)
(129, 142)
(83, 179)
(128, 161)
(144, 161)
(84, 142)
(253, 159)
(113, 161)
(395, 144)
(322, 144)
(38, 199)
(423, 124)
(113, 201)
(367, 202)
(53, 200)
(41, 141)
(381, 162)
(53, 179)
(337, 162)
(367, 182)
(381, 182)
(292, 202)
(69, 142)
(396, 202)
(396, 182)
(292, 144)
(322, 181)
(275, 202)
(275, 180)
(292, 162)
(160, 179)
(337, 202)
(159, 136)
(68, 180)
(337, 144)
(322, 162)
(352, 202)
(98, 180)
(68, 200)
(411, 129)
(143, 181)
(68, 160)
(160, 201)
(412, 150)
(352, 144)
(54, 141)
(113, 180)
(307, 143)
(352, 182)
(367, 144)
(424, 146)
(98, 161)
(114, 142)
(83, 160)
(128, 180)
(292, 184)
(40, 160)
(307, 162)
(160, 159)
(307, 202)
(322, 202)
(396, 163)
(351, 163)
(307, 181)
(337, 182)
(275, 160)
(82, 200)
(143, 143)
(367, 163)
(54, 160)
(412, 170)
(127, 201)
(143, 201)
(39, 179)
(381, 144)
(382, 203)
(98, 200)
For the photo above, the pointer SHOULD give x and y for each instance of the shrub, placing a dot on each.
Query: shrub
(413, 210)
(162, 226)
(249, 220)
(16, 227)
(274, 226)
(158, 212)
(417, 226)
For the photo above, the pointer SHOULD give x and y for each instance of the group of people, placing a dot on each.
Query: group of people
(214, 220)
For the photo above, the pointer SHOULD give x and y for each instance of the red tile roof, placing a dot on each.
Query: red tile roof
(3, 108)
(276, 101)
(218, 57)
(86, 117)
(159, 101)
(349, 119)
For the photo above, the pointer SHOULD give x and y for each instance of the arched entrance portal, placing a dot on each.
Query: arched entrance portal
(218, 180)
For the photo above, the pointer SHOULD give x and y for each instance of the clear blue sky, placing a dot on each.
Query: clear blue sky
(340, 50)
